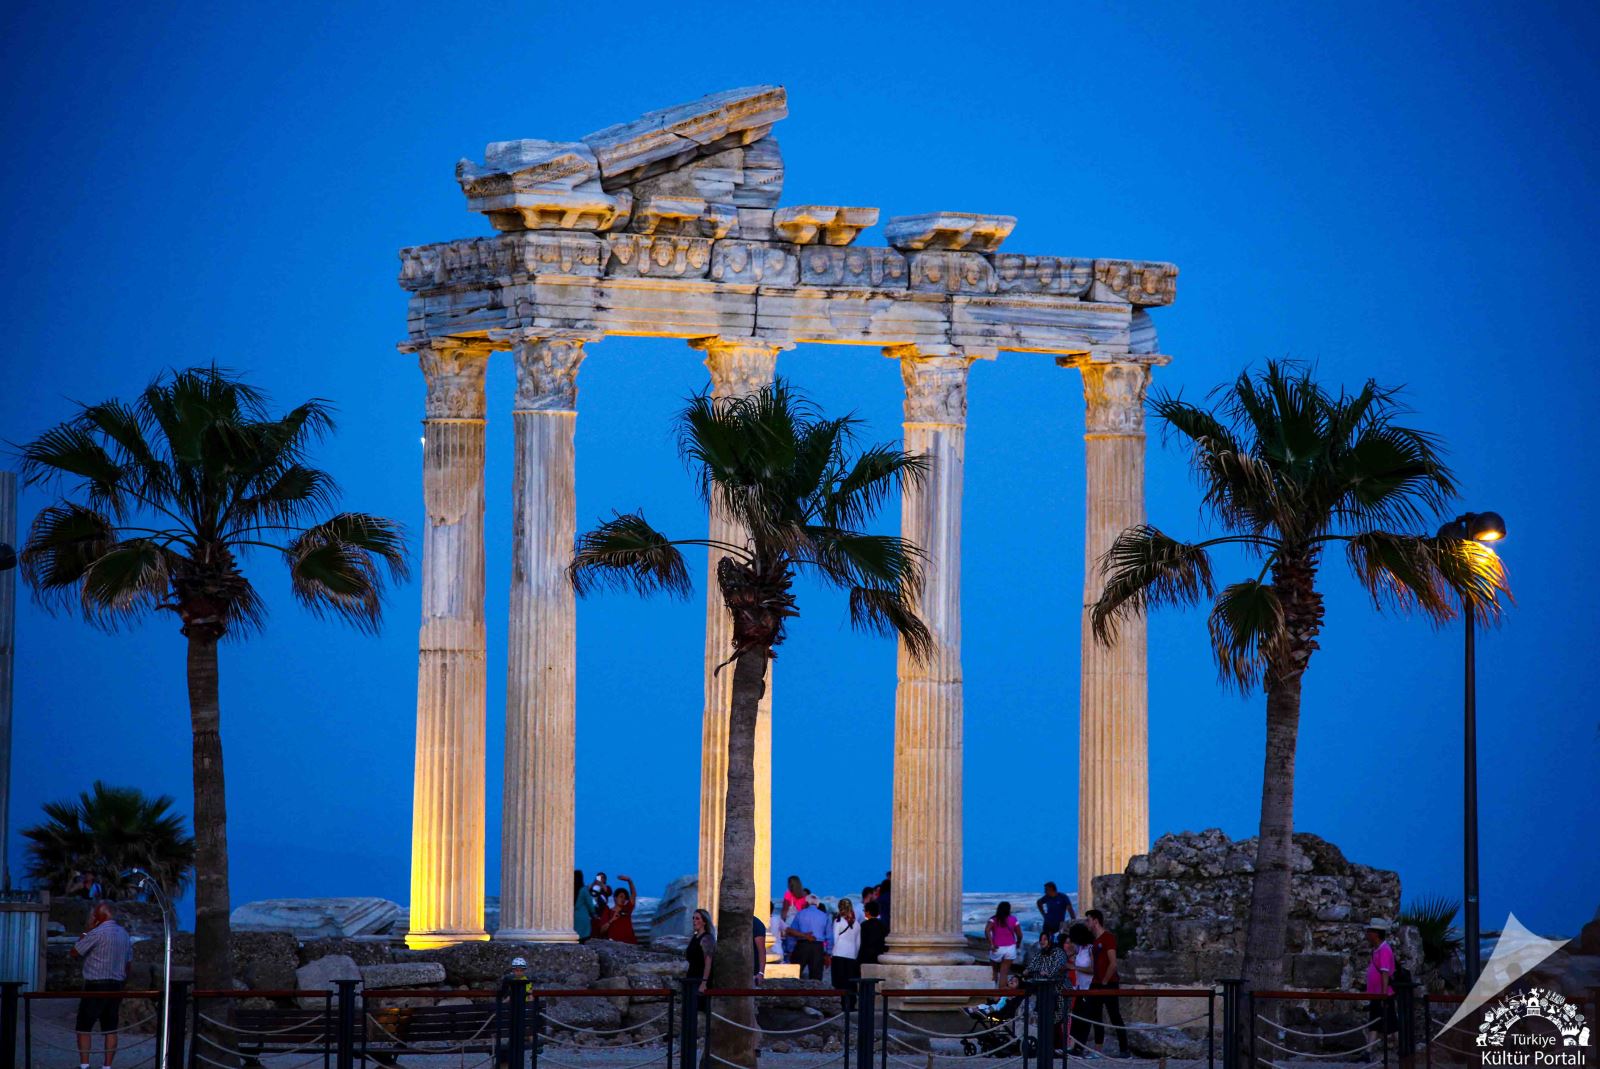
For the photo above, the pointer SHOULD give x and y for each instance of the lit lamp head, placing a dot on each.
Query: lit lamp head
(1475, 527)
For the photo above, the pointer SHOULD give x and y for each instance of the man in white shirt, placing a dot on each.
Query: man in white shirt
(106, 949)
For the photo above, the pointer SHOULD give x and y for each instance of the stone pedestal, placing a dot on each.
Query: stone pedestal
(541, 698)
(738, 368)
(929, 977)
(447, 828)
(1113, 750)
(926, 850)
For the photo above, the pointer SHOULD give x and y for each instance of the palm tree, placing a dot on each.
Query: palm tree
(796, 486)
(165, 496)
(107, 831)
(1290, 469)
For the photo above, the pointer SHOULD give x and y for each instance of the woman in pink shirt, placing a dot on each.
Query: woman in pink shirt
(1380, 980)
(1005, 936)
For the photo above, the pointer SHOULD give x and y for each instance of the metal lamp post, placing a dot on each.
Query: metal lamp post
(1476, 527)
(167, 925)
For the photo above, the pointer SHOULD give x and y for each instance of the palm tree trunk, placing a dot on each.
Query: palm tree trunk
(1269, 892)
(733, 965)
(213, 958)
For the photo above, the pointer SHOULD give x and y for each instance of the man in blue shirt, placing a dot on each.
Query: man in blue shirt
(813, 936)
(1056, 909)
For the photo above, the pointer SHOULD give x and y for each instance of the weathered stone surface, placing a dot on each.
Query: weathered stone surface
(689, 216)
(483, 261)
(747, 177)
(755, 224)
(1025, 322)
(403, 974)
(312, 918)
(1134, 282)
(514, 166)
(763, 175)
(675, 911)
(583, 1013)
(324, 973)
(479, 964)
(754, 262)
(948, 230)
(853, 268)
(369, 950)
(1016, 273)
(676, 307)
(853, 316)
(1188, 905)
(941, 271)
(809, 224)
(658, 257)
(582, 209)
(662, 138)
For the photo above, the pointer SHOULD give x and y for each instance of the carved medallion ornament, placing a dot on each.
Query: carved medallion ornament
(1113, 395)
(547, 374)
(454, 370)
(739, 368)
(936, 388)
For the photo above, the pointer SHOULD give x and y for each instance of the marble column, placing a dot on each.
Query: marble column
(739, 367)
(536, 853)
(447, 832)
(1113, 751)
(926, 847)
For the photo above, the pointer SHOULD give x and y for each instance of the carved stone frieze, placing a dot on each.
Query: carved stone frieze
(1134, 282)
(690, 216)
(754, 262)
(483, 260)
(936, 385)
(948, 230)
(453, 369)
(951, 272)
(667, 256)
(1016, 273)
(628, 151)
(808, 224)
(862, 267)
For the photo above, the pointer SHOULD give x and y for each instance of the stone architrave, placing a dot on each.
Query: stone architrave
(739, 368)
(447, 828)
(1113, 753)
(537, 816)
(926, 848)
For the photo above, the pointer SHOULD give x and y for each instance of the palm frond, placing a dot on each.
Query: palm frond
(878, 474)
(1245, 623)
(1143, 568)
(626, 553)
(1434, 575)
(855, 558)
(338, 567)
(70, 451)
(127, 580)
(63, 541)
(885, 611)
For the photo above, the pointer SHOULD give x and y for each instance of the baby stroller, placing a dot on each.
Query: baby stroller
(995, 1032)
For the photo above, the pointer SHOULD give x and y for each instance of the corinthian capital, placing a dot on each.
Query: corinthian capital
(739, 366)
(453, 369)
(1113, 391)
(936, 383)
(547, 370)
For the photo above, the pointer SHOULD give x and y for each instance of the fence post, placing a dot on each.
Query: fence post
(691, 1022)
(866, 1025)
(1405, 994)
(1211, 1029)
(1044, 996)
(1230, 1023)
(516, 1023)
(536, 1030)
(345, 1056)
(172, 1051)
(10, 1005)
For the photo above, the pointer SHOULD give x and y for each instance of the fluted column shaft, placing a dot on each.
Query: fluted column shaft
(1113, 749)
(738, 368)
(537, 815)
(447, 828)
(926, 849)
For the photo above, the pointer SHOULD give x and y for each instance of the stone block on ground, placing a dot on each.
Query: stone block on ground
(371, 950)
(482, 965)
(675, 913)
(583, 1012)
(402, 974)
(324, 973)
(314, 918)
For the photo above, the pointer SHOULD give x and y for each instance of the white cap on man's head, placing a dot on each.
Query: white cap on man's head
(1377, 924)
(519, 963)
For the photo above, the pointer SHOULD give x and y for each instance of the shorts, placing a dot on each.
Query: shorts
(1381, 1016)
(999, 954)
(103, 1010)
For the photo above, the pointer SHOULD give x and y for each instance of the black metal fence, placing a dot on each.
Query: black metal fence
(519, 1026)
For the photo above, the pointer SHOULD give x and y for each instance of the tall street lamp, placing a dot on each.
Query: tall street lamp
(1486, 527)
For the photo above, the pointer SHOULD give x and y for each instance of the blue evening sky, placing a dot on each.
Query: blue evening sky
(1392, 190)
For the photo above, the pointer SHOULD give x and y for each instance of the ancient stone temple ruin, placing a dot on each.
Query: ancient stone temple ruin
(672, 226)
